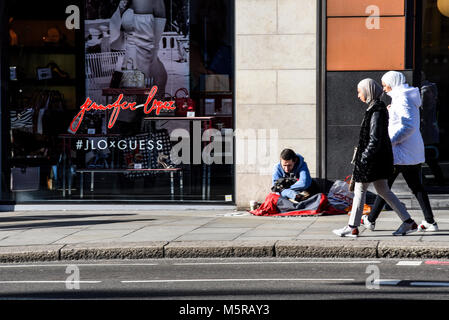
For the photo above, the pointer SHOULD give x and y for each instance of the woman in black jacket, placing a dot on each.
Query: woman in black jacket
(373, 162)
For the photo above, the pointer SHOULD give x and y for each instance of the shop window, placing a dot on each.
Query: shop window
(55, 155)
(434, 89)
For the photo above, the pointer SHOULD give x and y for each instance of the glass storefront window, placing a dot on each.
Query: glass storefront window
(125, 101)
(434, 88)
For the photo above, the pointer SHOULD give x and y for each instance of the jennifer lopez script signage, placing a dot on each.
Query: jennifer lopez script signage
(118, 105)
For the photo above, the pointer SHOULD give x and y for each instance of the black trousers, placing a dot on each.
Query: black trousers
(412, 175)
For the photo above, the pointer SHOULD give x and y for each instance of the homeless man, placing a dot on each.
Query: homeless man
(291, 177)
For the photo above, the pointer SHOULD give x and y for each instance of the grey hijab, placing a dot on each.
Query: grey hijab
(370, 89)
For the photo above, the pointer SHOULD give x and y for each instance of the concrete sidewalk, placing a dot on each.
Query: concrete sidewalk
(66, 235)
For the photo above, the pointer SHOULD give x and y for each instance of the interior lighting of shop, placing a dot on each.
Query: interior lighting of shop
(443, 7)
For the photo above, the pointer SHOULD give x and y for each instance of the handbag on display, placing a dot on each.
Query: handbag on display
(184, 104)
(131, 77)
(166, 112)
(22, 120)
(137, 158)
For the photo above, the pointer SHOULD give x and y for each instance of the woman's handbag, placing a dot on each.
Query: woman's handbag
(184, 104)
(131, 77)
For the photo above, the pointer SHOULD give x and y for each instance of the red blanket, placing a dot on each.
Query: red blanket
(275, 205)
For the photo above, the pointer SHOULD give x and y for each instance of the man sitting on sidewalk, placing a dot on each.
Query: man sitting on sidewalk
(291, 177)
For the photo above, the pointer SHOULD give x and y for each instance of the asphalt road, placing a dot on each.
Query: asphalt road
(228, 279)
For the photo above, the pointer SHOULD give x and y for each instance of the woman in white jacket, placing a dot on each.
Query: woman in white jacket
(408, 146)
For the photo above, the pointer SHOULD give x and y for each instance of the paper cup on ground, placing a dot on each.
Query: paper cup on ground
(253, 205)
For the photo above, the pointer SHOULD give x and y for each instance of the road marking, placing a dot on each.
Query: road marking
(45, 281)
(436, 262)
(395, 282)
(227, 280)
(183, 264)
(409, 263)
(386, 282)
(430, 284)
(79, 265)
(274, 262)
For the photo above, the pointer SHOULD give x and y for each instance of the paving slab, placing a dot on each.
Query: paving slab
(216, 230)
(93, 236)
(196, 233)
(208, 236)
(157, 233)
(9, 233)
(262, 238)
(37, 237)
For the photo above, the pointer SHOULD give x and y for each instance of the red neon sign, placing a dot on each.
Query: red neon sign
(118, 105)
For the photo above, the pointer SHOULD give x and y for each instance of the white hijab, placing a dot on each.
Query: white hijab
(395, 80)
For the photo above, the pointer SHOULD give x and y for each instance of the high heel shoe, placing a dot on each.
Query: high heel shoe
(161, 160)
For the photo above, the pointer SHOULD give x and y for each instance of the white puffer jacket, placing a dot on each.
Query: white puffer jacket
(404, 123)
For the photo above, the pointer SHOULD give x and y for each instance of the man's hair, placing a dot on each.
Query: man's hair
(288, 154)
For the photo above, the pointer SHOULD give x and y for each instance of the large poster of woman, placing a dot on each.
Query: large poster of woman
(151, 36)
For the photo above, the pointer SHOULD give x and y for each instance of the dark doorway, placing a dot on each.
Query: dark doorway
(435, 93)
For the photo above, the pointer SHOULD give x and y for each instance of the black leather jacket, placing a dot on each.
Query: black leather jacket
(374, 157)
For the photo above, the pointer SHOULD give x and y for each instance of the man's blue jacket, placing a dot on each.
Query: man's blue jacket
(301, 172)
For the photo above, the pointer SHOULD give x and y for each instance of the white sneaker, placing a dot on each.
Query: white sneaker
(347, 232)
(428, 227)
(367, 224)
(406, 228)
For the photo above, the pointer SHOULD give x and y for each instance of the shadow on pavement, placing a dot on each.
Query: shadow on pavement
(59, 217)
(70, 223)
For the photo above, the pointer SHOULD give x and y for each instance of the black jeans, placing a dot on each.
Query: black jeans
(412, 175)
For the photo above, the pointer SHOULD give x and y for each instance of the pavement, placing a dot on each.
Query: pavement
(30, 236)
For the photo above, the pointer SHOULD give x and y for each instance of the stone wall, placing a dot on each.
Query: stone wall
(275, 86)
